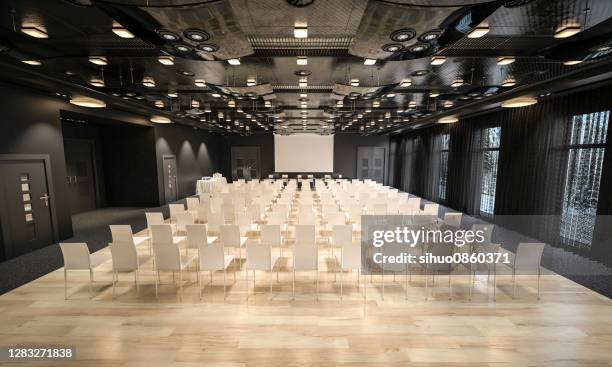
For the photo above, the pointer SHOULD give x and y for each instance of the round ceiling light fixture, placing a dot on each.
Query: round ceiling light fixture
(519, 102)
(430, 36)
(196, 35)
(207, 47)
(392, 47)
(403, 35)
(87, 102)
(160, 119)
(448, 119)
(183, 47)
(420, 72)
(303, 72)
(419, 47)
(167, 35)
(185, 73)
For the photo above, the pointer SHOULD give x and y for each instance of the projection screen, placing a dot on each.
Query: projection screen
(304, 153)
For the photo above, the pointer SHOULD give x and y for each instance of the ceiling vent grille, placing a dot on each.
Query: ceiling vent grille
(283, 43)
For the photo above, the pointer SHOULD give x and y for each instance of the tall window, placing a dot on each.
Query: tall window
(583, 176)
(490, 157)
(443, 165)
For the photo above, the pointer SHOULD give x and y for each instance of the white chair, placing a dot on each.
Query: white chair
(197, 234)
(485, 229)
(341, 234)
(230, 237)
(162, 234)
(192, 204)
(527, 260)
(174, 210)
(212, 257)
(431, 209)
(259, 257)
(306, 217)
(125, 260)
(123, 233)
(452, 220)
(305, 253)
(271, 235)
(474, 268)
(440, 250)
(76, 257)
(183, 219)
(168, 258)
(350, 259)
(214, 223)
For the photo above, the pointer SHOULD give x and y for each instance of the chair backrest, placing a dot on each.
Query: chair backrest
(306, 217)
(161, 234)
(485, 248)
(351, 255)
(379, 209)
(305, 233)
(528, 257)
(305, 254)
(76, 256)
(414, 203)
(230, 235)
(487, 230)
(211, 257)
(175, 209)
(214, 222)
(196, 234)
(124, 256)
(202, 213)
(121, 233)
(183, 219)
(342, 234)
(276, 218)
(154, 218)
(259, 256)
(167, 256)
(335, 219)
(193, 203)
(453, 219)
(431, 209)
(271, 234)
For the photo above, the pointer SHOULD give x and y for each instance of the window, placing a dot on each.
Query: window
(490, 158)
(445, 138)
(582, 178)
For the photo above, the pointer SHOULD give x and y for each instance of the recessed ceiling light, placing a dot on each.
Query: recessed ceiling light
(35, 31)
(448, 104)
(200, 83)
(98, 60)
(392, 47)
(196, 35)
(172, 94)
(567, 31)
(251, 82)
(479, 31)
(406, 82)
(572, 62)
(97, 82)
(420, 72)
(457, 83)
(505, 60)
(300, 31)
(303, 82)
(183, 47)
(303, 95)
(149, 82)
(302, 60)
(207, 47)
(403, 35)
(448, 120)
(231, 103)
(121, 31)
(195, 103)
(215, 95)
(268, 104)
(166, 60)
(32, 62)
(87, 102)
(430, 36)
(434, 94)
(509, 82)
(354, 82)
(159, 103)
(233, 61)
(160, 119)
(376, 104)
(168, 35)
(438, 60)
(419, 47)
(369, 61)
(412, 104)
(519, 102)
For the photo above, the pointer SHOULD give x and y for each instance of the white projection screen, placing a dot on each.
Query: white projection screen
(304, 153)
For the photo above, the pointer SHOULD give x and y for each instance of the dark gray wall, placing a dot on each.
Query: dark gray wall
(265, 142)
(198, 153)
(345, 152)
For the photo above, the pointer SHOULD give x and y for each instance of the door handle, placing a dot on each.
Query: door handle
(45, 197)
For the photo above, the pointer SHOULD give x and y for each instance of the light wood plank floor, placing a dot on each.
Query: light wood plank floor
(569, 326)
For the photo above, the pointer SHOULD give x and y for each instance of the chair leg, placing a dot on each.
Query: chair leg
(181, 285)
(382, 281)
(539, 274)
(156, 284)
(317, 281)
(472, 276)
(513, 284)
(137, 280)
(271, 270)
(65, 284)
(293, 285)
(90, 283)
(494, 283)
(114, 282)
(406, 284)
(224, 284)
(200, 283)
(341, 273)
(450, 286)
(426, 283)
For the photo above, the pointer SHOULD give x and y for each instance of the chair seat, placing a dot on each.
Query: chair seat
(211, 239)
(140, 239)
(227, 260)
(274, 260)
(243, 241)
(186, 260)
(179, 240)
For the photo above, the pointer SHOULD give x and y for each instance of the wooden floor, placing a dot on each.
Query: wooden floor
(569, 326)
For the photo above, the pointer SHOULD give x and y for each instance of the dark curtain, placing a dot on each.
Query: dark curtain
(531, 169)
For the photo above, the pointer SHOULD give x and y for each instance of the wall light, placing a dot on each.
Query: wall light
(479, 31)
(160, 119)
(35, 31)
(505, 60)
(519, 102)
(87, 102)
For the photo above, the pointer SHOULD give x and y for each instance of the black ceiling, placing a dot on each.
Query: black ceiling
(341, 34)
